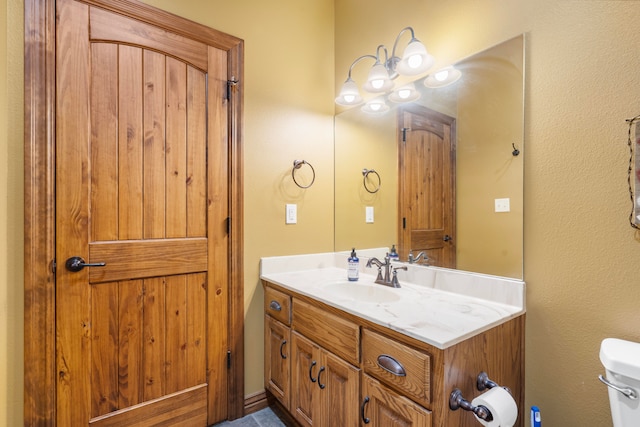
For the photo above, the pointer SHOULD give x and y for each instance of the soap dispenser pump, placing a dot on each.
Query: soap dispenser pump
(354, 267)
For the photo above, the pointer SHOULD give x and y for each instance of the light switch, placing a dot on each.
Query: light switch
(502, 205)
(368, 214)
(291, 215)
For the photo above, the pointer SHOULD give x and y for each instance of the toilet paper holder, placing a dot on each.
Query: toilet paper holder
(457, 401)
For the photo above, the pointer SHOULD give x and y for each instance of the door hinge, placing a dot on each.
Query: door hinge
(230, 84)
(404, 223)
(228, 359)
(404, 134)
(53, 266)
(228, 225)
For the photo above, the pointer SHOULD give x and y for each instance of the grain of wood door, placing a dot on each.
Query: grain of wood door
(426, 207)
(142, 186)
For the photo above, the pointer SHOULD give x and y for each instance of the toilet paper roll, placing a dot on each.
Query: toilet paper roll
(502, 407)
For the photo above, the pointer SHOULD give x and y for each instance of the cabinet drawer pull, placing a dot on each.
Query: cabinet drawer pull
(282, 344)
(319, 383)
(391, 365)
(362, 408)
(275, 305)
(313, 380)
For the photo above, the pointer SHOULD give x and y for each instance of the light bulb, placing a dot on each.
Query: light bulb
(349, 98)
(414, 61)
(404, 93)
(377, 84)
(442, 75)
(375, 106)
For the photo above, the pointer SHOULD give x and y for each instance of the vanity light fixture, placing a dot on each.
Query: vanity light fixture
(414, 61)
(443, 77)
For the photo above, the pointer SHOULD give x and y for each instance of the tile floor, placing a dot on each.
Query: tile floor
(263, 418)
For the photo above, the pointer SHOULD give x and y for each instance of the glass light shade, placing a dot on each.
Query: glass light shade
(375, 106)
(406, 93)
(378, 80)
(349, 94)
(443, 77)
(415, 59)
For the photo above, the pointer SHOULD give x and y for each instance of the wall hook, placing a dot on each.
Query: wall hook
(515, 151)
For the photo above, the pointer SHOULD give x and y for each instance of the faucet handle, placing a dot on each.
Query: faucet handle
(379, 277)
(394, 280)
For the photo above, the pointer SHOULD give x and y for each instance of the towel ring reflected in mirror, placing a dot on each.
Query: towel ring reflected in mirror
(297, 164)
(365, 174)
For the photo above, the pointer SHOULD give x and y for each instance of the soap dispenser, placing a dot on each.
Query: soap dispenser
(393, 255)
(353, 270)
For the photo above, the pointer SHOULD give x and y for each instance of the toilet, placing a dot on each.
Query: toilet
(621, 360)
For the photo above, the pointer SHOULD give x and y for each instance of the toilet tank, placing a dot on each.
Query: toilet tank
(621, 360)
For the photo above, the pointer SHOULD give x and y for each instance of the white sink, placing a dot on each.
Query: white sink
(361, 292)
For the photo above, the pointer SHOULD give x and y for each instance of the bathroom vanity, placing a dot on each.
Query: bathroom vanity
(340, 353)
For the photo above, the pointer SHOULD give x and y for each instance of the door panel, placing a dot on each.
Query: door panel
(142, 179)
(427, 185)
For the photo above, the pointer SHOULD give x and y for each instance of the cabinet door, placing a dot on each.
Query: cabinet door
(277, 359)
(305, 364)
(339, 385)
(383, 407)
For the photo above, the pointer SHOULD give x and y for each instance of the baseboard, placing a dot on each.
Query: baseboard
(255, 402)
(262, 399)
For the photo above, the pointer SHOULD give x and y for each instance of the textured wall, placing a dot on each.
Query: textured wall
(11, 213)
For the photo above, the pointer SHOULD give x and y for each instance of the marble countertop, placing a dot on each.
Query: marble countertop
(438, 312)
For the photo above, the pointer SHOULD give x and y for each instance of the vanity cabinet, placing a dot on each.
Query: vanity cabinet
(384, 407)
(326, 387)
(344, 370)
(277, 345)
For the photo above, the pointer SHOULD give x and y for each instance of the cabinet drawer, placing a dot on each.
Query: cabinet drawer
(397, 365)
(335, 334)
(277, 305)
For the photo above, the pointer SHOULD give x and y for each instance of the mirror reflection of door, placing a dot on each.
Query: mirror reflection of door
(426, 200)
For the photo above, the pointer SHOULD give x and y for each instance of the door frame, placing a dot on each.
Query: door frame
(39, 194)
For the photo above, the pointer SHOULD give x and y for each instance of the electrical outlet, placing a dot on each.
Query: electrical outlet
(502, 205)
(368, 214)
(291, 214)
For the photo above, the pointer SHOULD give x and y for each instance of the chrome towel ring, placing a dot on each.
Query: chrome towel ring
(297, 164)
(365, 174)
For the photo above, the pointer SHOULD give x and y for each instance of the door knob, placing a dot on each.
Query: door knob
(76, 263)
(446, 238)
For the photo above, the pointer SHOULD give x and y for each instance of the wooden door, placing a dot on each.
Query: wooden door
(339, 384)
(141, 186)
(385, 408)
(305, 364)
(277, 359)
(426, 202)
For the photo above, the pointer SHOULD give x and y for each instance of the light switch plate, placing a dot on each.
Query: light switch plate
(503, 205)
(291, 214)
(368, 214)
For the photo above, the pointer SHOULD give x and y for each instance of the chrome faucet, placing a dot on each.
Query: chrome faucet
(413, 260)
(389, 270)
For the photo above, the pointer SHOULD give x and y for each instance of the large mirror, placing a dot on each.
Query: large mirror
(382, 167)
